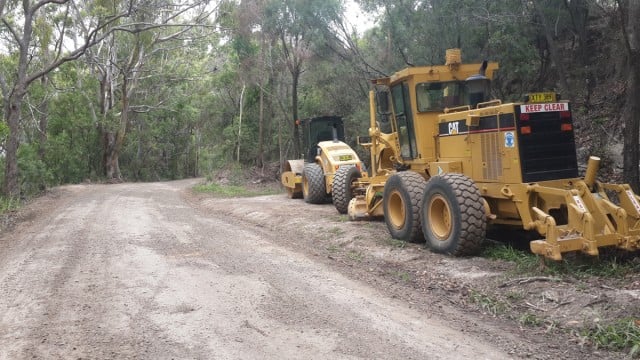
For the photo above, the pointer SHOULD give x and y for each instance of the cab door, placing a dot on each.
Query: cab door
(404, 121)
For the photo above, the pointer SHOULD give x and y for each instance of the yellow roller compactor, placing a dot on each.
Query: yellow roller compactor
(447, 161)
(325, 152)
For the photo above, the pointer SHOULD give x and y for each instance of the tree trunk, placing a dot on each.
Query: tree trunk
(260, 158)
(631, 114)
(295, 75)
(11, 184)
(260, 162)
(555, 53)
(240, 123)
(116, 140)
(44, 121)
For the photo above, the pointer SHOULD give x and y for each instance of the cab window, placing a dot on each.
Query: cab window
(439, 95)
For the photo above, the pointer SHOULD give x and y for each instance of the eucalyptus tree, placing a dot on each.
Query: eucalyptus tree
(67, 29)
(28, 27)
(630, 13)
(299, 25)
(120, 62)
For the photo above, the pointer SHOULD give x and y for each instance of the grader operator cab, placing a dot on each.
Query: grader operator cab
(324, 151)
(451, 162)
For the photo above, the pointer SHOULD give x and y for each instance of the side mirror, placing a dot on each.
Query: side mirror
(382, 102)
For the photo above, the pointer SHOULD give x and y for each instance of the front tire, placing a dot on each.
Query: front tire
(452, 215)
(342, 191)
(313, 184)
(401, 203)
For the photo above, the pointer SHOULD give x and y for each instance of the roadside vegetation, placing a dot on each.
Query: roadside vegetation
(236, 180)
(174, 90)
(610, 264)
(204, 84)
(234, 190)
(8, 204)
(612, 270)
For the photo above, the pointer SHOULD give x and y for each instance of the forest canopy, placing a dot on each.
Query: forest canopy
(145, 90)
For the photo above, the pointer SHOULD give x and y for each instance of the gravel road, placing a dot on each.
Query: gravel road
(134, 271)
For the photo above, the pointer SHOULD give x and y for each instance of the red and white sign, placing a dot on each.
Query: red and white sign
(548, 107)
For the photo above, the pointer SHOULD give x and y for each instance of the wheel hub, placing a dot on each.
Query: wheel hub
(440, 217)
(397, 215)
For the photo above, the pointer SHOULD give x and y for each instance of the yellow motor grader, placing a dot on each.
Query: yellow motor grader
(325, 152)
(447, 161)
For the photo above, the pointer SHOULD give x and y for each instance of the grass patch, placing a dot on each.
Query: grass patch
(515, 295)
(340, 218)
(9, 204)
(623, 335)
(525, 262)
(402, 275)
(234, 180)
(573, 264)
(336, 231)
(529, 319)
(354, 255)
(488, 304)
(229, 191)
(333, 248)
(606, 266)
(400, 244)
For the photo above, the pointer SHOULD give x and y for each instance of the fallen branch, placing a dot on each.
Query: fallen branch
(608, 287)
(534, 306)
(527, 280)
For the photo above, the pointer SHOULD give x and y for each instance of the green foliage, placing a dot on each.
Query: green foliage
(487, 303)
(402, 275)
(623, 334)
(34, 175)
(524, 261)
(4, 132)
(8, 204)
(355, 255)
(72, 150)
(185, 100)
(232, 190)
(529, 319)
(574, 265)
(396, 243)
(606, 266)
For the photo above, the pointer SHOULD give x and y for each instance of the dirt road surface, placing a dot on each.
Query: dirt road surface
(153, 271)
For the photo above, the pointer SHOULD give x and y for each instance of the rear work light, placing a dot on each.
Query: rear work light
(525, 130)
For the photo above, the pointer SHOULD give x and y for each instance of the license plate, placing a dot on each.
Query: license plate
(542, 97)
(345, 157)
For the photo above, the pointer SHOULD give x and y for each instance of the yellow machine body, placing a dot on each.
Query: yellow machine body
(324, 152)
(331, 156)
(519, 156)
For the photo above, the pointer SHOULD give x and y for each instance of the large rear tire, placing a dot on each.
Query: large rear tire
(313, 185)
(401, 204)
(341, 190)
(452, 215)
